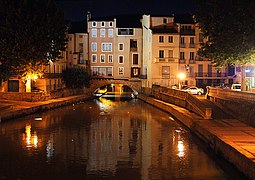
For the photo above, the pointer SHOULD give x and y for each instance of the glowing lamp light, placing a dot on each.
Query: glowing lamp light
(181, 76)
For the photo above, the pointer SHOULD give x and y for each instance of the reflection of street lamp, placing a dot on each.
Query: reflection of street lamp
(181, 76)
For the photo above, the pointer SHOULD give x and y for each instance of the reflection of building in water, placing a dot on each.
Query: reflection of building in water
(50, 147)
(137, 137)
(30, 139)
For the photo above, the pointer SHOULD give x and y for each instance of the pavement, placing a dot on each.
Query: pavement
(227, 136)
(10, 109)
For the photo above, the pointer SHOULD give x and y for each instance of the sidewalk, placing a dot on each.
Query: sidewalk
(230, 138)
(12, 109)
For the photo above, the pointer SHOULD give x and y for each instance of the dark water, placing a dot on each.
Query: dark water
(105, 140)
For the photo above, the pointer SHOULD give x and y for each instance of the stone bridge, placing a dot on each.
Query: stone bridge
(99, 82)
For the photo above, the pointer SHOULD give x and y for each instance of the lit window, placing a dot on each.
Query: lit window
(106, 47)
(121, 70)
(94, 33)
(102, 32)
(165, 72)
(94, 47)
(110, 33)
(170, 53)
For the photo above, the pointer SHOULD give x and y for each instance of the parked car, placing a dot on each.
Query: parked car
(236, 87)
(194, 90)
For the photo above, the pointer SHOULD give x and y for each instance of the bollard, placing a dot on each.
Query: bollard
(208, 113)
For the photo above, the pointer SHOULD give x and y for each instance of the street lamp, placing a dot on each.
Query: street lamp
(181, 77)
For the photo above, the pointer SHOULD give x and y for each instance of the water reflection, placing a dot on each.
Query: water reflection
(30, 139)
(103, 139)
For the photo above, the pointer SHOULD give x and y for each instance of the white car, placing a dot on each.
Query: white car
(236, 87)
(194, 90)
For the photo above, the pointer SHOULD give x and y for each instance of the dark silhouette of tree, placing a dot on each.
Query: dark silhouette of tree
(32, 33)
(76, 77)
(229, 28)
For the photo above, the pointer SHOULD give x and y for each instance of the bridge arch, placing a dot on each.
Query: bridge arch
(136, 86)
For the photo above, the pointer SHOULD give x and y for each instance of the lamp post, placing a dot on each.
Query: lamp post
(181, 77)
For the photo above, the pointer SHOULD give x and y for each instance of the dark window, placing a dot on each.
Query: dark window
(161, 53)
(124, 31)
(135, 59)
(161, 39)
(13, 86)
(170, 39)
(133, 43)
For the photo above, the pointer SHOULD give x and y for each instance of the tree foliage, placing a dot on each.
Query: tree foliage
(229, 26)
(77, 77)
(32, 33)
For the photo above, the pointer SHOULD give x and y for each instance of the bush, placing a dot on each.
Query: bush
(76, 77)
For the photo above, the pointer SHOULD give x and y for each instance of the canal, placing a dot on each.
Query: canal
(104, 139)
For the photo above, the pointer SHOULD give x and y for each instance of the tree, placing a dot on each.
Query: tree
(32, 33)
(76, 77)
(229, 27)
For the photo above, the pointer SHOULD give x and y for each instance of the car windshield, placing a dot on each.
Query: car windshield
(237, 87)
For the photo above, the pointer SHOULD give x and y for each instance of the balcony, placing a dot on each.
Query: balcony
(183, 45)
(52, 75)
(133, 49)
(165, 59)
(182, 61)
(192, 45)
(188, 32)
(211, 75)
(192, 61)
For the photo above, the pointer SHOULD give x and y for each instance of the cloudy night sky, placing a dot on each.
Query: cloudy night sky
(76, 9)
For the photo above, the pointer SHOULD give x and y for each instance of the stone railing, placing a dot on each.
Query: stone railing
(239, 104)
(43, 96)
(228, 94)
(182, 99)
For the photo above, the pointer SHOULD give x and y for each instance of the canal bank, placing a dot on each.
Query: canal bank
(10, 109)
(229, 138)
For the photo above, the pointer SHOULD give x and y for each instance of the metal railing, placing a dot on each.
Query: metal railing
(208, 74)
(164, 59)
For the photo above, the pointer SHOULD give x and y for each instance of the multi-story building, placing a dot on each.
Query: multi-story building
(77, 45)
(128, 47)
(165, 51)
(115, 47)
(153, 49)
(101, 41)
(170, 51)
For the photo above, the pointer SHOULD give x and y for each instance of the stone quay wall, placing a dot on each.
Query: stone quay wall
(240, 105)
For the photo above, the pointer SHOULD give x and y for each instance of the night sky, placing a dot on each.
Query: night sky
(76, 9)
